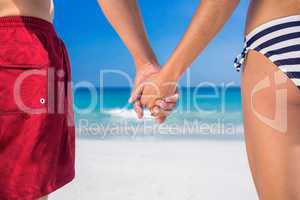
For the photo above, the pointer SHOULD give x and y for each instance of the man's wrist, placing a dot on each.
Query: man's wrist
(147, 64)
(144, 61)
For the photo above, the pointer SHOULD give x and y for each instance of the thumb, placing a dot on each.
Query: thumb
(136, 93)
(160, 120)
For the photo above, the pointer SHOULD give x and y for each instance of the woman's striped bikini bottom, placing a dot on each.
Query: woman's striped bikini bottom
(279, 41)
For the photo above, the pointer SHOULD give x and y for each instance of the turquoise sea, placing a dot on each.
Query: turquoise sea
(202, 113)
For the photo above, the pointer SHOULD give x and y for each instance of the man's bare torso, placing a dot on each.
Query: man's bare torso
(43, 9)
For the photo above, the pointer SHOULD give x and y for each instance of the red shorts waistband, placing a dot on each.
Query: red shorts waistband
(27, 21)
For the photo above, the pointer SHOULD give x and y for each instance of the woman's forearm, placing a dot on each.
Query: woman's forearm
(210, 17)
(125, 17)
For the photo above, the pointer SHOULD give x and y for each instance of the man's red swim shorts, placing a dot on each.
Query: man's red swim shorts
(37, 136)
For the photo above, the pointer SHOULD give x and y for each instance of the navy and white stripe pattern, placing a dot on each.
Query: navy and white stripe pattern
(278, 40)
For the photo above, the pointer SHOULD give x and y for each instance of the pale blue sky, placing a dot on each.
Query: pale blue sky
(94, 46)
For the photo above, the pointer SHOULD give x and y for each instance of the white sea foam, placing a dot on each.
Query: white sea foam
(130, 113)
(126, 113)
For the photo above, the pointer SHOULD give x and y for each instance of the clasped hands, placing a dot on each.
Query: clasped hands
(154, 90)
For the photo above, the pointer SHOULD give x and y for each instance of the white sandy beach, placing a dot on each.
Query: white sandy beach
(160, 170)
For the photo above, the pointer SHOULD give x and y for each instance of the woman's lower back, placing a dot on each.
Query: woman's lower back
(262, 11)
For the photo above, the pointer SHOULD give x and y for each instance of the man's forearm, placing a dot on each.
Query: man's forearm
(207, 22)
(125, 17)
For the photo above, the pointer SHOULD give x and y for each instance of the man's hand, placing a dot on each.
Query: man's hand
(143, 72)
(159, 95)
(162, 106)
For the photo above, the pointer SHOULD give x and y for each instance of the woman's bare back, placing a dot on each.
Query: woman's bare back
(261, 11)
(36, 8)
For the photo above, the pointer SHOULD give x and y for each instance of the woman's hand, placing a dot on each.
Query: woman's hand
(163, 107)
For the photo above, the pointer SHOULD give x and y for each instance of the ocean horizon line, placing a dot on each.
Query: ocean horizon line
(182, 87)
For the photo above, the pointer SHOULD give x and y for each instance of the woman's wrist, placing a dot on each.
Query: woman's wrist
(170, 73)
